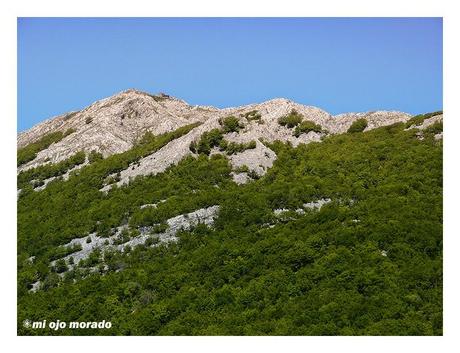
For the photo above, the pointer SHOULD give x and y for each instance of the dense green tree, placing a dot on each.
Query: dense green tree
(305, 127)
(231, 124)
(291, 120)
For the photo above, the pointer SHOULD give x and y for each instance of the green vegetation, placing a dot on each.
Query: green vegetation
(358, 126)
(159, 97)
(28, 153)
(242, 169)
(253, 115)
(419, 119)
(305, 127)
(435, 128)
(253, 174)
(70, 115)
(368, 263)
(215, 138)
(208, 140)
(230, 124)
(159, 228)
(62, 251)
(291, 120)
(94, 156)
(60, 266)
(234, 147)
(45, 171)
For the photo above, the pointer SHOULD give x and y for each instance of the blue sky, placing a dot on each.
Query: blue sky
(339, 65)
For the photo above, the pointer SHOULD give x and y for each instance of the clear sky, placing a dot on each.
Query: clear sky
(339, 65)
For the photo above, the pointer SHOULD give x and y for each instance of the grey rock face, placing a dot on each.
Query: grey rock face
(112, 125)
(314, 205)
(427, 122)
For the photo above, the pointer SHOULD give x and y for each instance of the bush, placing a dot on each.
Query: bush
(60, 266)
(241, 169)
(159, 228)
(231, 124)
(89, 120)
(253, 174)
(94, 156)
(151, 241)
(252, 115)
(68, 132)
(234, 147)
(305, 127)
(208, 140)
(193, 146)
(358, 125)
(291, 120)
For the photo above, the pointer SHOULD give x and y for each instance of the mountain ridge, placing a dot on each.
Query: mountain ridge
(112, 125)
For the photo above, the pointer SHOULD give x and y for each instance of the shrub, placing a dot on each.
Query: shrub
(252, 115)
(231, 124)
(241, 169)
(208, 140)
(94, 156)
(68, 132)
(234, 147)
(159, 228)
(358, 125)
(305, 127)
(253, 174)
(291, 120)
(60, 266)
(151, 241)
(193, 146)
(89, 120)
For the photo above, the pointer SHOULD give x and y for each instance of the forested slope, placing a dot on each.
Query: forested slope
(369, 262)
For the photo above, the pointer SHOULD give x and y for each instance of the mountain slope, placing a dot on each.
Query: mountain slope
(114, 124)
(342, 237)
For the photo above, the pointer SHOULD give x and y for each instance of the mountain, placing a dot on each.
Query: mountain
(269, 219)
(113, 125)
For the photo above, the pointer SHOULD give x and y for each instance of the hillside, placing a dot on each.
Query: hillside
(269, 219)
(114, 125)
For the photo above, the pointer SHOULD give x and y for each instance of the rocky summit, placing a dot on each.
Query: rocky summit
(113, 125)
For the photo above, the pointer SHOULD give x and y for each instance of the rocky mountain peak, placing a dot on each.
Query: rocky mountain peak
(112, 125)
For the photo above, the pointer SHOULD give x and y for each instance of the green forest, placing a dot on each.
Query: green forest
(367, 263)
